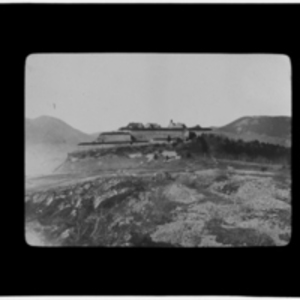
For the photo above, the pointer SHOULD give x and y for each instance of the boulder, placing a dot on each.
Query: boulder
(150, 156)
(135, 155)
(87, 186)
(180, 193)
(169, 154)
(37, 198)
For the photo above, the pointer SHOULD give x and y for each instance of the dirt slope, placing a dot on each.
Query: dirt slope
(204, 207)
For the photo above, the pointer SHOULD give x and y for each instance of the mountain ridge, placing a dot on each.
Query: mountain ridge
(272, 129)
(48, 140)
(52, 131)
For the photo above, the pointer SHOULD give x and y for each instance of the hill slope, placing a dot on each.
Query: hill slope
(271, 129)
(49, 130)
(47, 142)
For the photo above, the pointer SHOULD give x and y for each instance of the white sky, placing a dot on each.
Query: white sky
(99, 92)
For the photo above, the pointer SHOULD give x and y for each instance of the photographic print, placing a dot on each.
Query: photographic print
(157, 150)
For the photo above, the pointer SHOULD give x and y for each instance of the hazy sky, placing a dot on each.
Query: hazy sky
(98, 92)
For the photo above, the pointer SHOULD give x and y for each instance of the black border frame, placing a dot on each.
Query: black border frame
(155, 28)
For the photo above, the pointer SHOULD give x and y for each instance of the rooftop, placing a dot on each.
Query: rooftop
(166, 129)
(115, 133)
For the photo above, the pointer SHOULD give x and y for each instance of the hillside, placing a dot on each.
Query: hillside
(94, 136)
(129, 197)
(49, 130)
(47, 142)
(209, 191)
(275, 130)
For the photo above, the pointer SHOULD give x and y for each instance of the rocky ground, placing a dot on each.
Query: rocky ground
(162, 202)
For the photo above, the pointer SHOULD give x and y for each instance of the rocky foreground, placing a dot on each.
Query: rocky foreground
(210, 207)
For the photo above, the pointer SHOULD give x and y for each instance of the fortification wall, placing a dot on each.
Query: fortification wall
(115, 138)
(157, 134)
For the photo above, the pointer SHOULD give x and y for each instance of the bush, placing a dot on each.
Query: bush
(222, 177)
(188, 155)
(192, 136)
(254, 151)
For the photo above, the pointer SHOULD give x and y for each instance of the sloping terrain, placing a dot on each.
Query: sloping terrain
(277, 126)
(52, 131)
(164, 203)
(199, 193)
(47, 142)
(43, 159)
(94, 135)
(276, 130)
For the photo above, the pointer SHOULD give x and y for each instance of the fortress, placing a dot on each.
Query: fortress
(151, 132)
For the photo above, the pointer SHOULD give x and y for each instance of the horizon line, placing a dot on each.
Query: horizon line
(212, 126)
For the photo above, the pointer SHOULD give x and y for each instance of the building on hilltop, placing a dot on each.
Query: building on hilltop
(135, 125)
(115, 137)
(152, 125)
(176, 125)
(137, 133)
(154, 132)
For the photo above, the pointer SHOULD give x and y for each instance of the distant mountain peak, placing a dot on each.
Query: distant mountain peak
(261, 127)
(45, 118)
(51, 130)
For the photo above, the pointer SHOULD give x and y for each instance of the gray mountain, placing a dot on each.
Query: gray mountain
(48, 140)
(273, 129)
(52, 131)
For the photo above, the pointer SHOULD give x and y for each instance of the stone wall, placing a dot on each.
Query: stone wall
(114, 138)
(157, 134)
